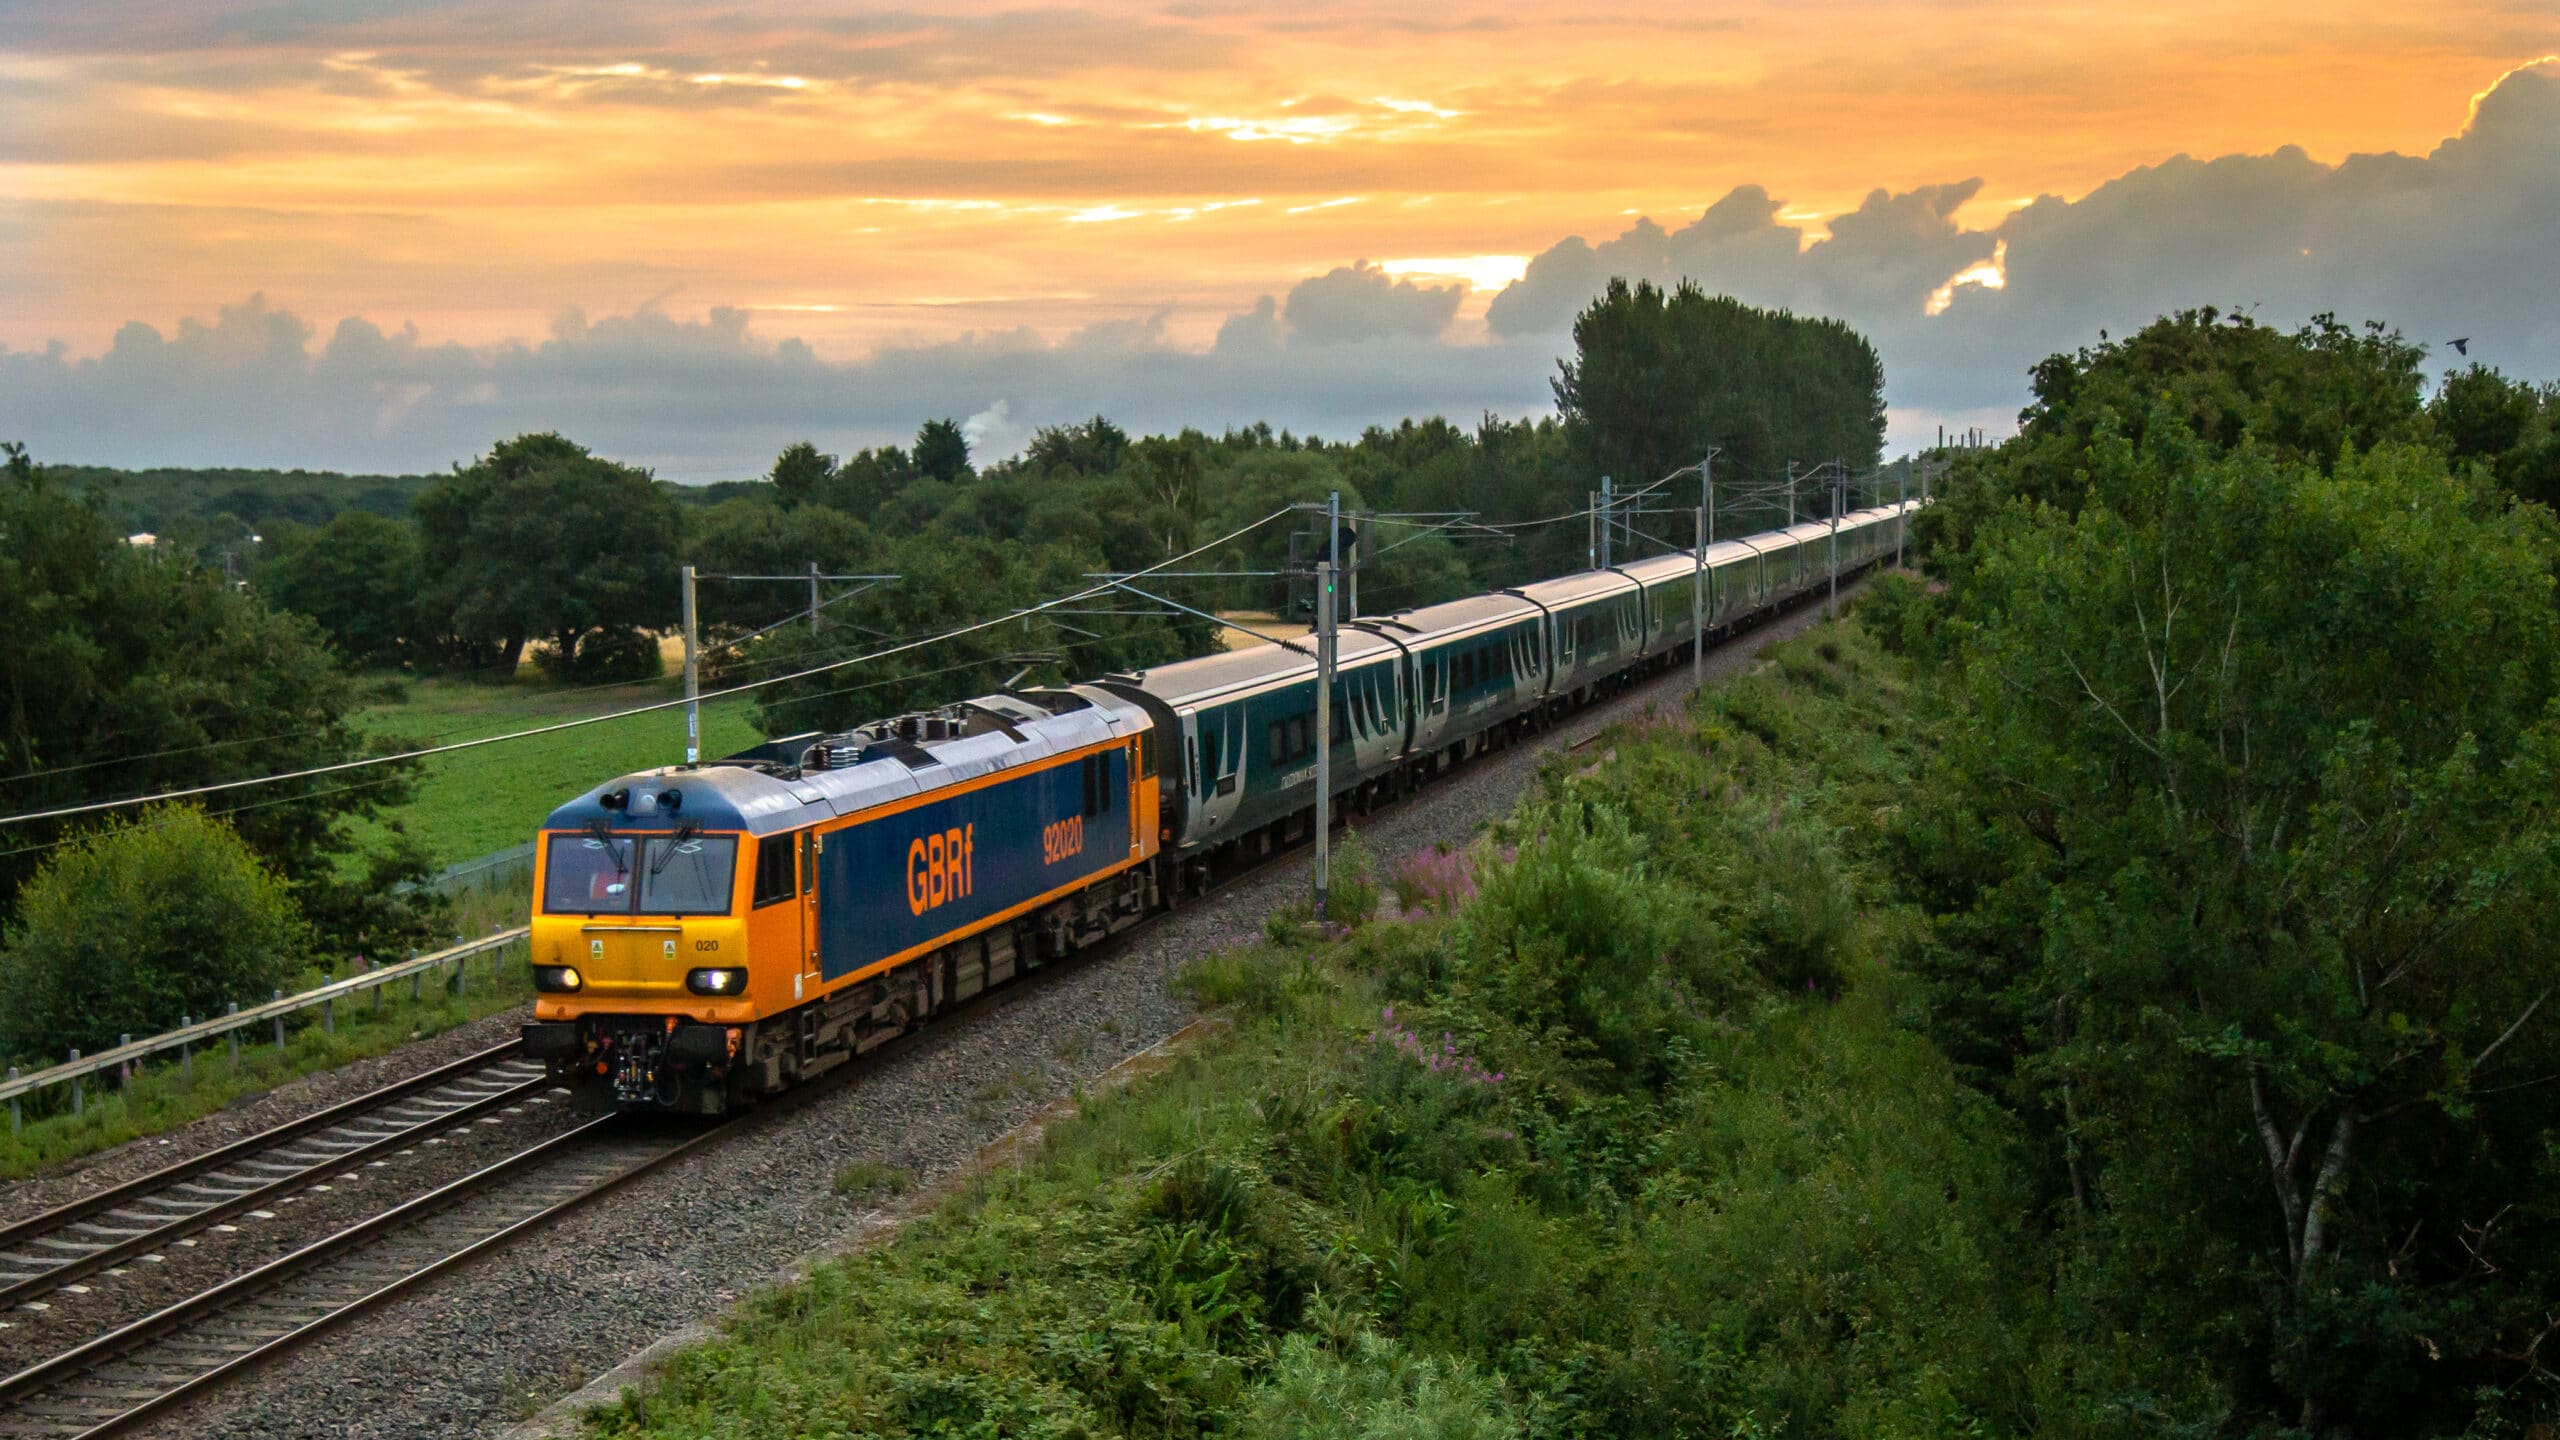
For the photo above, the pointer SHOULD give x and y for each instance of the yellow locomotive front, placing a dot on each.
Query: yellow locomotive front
(644, 954)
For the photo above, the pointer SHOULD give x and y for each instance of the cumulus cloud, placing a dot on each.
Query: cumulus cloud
(2453, 242)
(1363, 302)
(2442, 245)
(699, 399)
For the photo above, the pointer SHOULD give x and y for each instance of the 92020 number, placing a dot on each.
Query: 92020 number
(1062, 839)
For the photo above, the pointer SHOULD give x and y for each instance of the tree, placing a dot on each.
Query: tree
(2310, 395)
(1092, 447)
(942, 452)
(1657, 379)
(748, 537)
(801, 474)
(542, 539)
(126, 671)
(138, 923)
(356, 576)
(2511, 427)
(2248, 844)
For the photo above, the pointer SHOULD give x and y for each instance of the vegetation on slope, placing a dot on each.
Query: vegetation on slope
(1617, 1132)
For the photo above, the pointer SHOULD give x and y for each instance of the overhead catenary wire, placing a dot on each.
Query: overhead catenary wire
(94, 807)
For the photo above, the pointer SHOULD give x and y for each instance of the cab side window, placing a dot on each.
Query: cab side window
(777, 876)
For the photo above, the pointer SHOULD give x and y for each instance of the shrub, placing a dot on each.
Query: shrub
(1437, 878)
(1800, 918)
(1379, 1390)
(1353, 899)
(132, 926)
(1576, 935)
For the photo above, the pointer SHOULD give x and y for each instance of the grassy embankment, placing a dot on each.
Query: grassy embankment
(167, 1095)
(1615, 1131)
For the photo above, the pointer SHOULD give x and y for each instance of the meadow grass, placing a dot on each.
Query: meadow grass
(474, 802)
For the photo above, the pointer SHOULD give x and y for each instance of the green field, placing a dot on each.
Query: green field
(476, 801)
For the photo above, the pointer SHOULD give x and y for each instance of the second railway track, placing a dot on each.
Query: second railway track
(69, 1243)
(125, 1376)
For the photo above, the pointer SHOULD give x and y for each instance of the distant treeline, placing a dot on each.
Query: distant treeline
(216, 507)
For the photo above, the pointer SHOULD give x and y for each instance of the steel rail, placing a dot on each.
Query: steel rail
(84, 1257)
(124, 1401)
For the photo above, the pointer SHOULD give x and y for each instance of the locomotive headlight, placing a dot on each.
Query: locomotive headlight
(557, 979)
(716, 982)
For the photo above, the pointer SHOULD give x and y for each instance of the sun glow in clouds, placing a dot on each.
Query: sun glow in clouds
(1991, 274)
(1476, 272)
(1295, 129)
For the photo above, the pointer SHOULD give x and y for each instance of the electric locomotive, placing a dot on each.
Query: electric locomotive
(703, 935)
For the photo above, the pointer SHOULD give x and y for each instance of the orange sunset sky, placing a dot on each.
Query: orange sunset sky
(840, 183)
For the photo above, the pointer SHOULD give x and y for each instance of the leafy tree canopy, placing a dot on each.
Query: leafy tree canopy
(942, 452)
(134, 925)
(801, 474)
(2246, 841)
(128, 671)
(357, 576)
(1658, 378)
(540, 539)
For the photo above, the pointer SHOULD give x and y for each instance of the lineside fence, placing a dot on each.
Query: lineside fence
(131, 1054)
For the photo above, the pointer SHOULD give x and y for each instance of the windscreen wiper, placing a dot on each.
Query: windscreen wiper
(603, 831)
(683, 833)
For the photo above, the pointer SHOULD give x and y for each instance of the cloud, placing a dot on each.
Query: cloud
(2452, 242)
(1363, 302)
(698, 399)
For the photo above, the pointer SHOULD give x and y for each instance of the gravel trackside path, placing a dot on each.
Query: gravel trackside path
(491, 1344)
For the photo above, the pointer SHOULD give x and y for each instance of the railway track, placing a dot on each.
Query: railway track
(128, 1375)
(118, 1225)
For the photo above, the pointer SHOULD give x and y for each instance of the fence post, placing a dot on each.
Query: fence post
(75, 1081)
(279, 1023)
(417, 980)
(329, 1015)
(234, 1033)
(15, 1118)
(186, 1050)
(124, 1068)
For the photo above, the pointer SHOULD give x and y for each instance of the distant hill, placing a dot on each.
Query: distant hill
(219, 504)
(214, 506)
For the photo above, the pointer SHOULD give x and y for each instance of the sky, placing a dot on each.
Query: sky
(382, 234)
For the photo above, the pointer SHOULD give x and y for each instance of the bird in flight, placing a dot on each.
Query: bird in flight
(2461, 346)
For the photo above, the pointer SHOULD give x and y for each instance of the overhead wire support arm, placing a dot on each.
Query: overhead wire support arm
(1209, 616)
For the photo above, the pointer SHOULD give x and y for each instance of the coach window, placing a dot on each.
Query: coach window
(776, 878)
(1277, 743)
